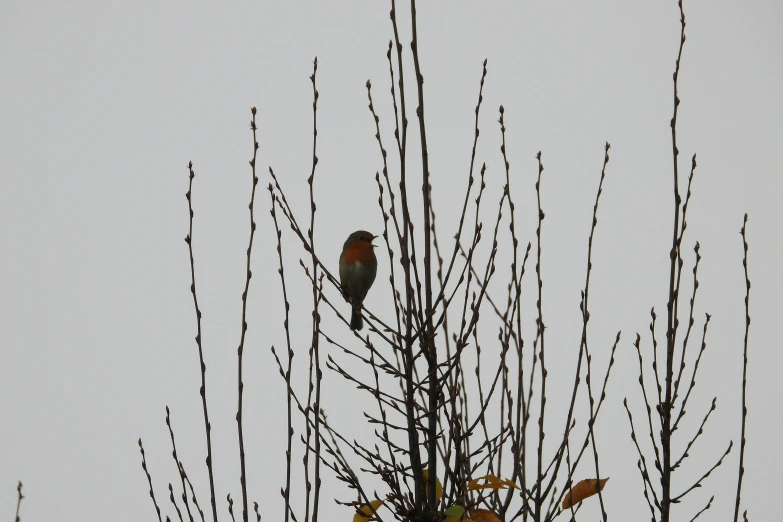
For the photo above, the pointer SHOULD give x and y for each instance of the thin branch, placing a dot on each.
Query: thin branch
(429, 343)
(586, 319)
(540, 335)
(285, 492)
(20, 496)
(241, 349)
(697, 484)
(143, 466)
(180, 468)
(174, 502)
(230, 506)
(695, 281)
(192, 492)
(692, 384)
(203, 389)
(314, 346)
(685, 453)
(671, 328)
(407, 260)
(458, 236)
(744, 369)
(642, 465)
(705, 508)
(647, 406)
(656, 373)
(591, 421)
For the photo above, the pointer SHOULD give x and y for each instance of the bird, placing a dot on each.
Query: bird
(358, 267)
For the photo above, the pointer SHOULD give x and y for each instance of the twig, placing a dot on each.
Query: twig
(590, 421)
(540, 335)
(286, 492)
(659, 388)
(671, 328)
(705, 508)
(406, 258)
(695, 370)
(143, 466)
(203, 389)
(642, 465)
(192, 492)
(586, 319)
(392, 210)
(241, 349)
(180, 468)
(697, 484)
(744, 369)
(648, 408)
(514, 288)
(690, 444)
(230, 506)
(174, 501)
(695, 281)
(458, 236)
(314, 346)
(429, 343)
(20, 496)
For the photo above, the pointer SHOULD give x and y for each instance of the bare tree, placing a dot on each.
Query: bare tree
(449, 444)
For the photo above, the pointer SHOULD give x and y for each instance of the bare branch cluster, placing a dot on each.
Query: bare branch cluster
(667, 407)
(441, 426)
(434, 401)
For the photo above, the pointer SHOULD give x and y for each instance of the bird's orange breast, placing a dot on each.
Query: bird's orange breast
(359, 251)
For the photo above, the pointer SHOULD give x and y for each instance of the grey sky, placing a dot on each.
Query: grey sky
(104, 103)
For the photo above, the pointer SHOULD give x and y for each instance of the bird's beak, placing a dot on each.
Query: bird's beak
(373, 239)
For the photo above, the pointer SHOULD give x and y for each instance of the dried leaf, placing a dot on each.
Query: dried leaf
(364, 513)
(584, 489)
(483, 515)
(438, 486)
(490, 482)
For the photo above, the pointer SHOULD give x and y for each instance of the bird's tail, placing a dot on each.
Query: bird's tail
(357, 323)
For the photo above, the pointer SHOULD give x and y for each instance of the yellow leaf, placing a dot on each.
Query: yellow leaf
(584, 489)
(490, 482)
(438, 486)
(483, 515)
(454, 511)
(364, 513)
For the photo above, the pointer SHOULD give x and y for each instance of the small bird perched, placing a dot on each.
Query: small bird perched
(358, 267)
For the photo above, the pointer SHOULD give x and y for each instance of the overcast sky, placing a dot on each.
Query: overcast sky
(104, 103)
